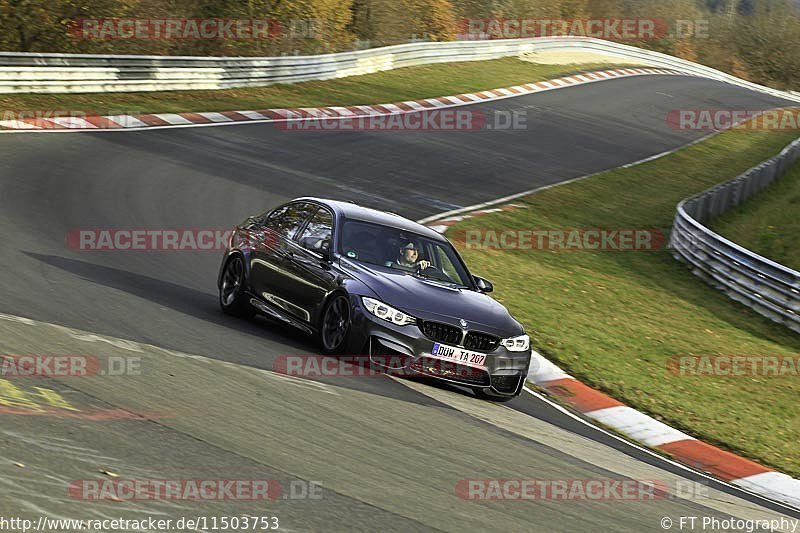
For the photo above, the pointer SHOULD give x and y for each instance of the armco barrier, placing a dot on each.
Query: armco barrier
(58, 73)
(767, 287)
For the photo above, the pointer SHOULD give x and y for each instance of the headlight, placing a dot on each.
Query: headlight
(517, 344)
(387, 312)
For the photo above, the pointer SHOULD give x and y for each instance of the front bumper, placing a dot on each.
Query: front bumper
(404, 350)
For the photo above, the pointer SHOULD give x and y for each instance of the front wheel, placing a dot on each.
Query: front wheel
(232, 296)
(335, 326)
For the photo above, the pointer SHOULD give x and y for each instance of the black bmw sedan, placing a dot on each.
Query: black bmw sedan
(375, 284)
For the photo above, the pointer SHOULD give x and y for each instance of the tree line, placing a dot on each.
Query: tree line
(755, 39)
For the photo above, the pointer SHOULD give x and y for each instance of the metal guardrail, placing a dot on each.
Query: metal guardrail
(767, 287)
(62, 73)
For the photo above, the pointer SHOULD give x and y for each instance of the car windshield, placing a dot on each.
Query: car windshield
(404, 251)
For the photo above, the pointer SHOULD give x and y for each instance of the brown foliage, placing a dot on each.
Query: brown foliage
(761, 43)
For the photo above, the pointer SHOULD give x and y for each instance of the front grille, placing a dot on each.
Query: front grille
(480, 341)
(439, 332)
(506, 384)
(452, 371)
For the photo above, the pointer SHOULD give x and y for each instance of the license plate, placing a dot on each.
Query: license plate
(458, 355)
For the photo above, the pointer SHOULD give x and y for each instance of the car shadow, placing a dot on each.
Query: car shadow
(203, 306)
(192, 302)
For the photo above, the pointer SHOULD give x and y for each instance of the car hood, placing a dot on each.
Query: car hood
(433, 301)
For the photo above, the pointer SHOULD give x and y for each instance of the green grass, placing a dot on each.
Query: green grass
(613, 319)
(769, 222)
(384, 87)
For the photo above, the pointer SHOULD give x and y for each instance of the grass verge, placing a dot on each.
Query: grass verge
(769, 222)
(614, 319)
(383, 87)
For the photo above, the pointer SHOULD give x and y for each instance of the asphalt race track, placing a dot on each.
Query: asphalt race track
(388, 454)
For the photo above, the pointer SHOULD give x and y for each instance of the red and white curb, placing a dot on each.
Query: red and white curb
(444, 224)
(644, 429)
(184, 120)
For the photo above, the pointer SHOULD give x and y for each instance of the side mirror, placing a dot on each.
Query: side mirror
(484, 285)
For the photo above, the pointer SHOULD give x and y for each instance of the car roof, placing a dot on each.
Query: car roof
(351, 211)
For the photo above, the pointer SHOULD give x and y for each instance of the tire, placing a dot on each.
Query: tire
(232, 296)
(483, 395)
(334, 327)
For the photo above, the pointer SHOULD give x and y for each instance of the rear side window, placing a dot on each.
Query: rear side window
(269, 219)
(287, 220)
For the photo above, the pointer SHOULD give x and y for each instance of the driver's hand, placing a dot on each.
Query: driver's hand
(423, 264)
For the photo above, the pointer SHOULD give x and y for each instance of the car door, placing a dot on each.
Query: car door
(309, 278)
(272, 250)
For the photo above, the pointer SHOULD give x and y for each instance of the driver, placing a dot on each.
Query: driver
(409, 258)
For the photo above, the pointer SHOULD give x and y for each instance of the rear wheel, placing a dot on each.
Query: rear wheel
(232, 297)
(335, 325)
